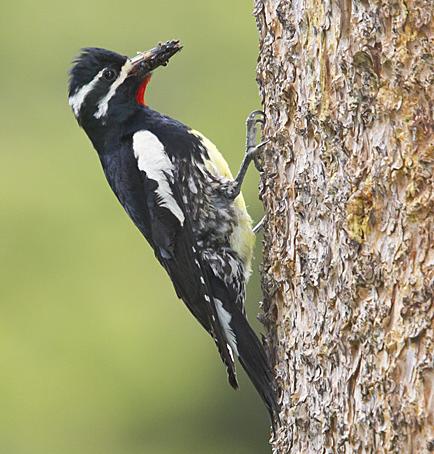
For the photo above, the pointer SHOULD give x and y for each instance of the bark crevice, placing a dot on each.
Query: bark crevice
(347, 190)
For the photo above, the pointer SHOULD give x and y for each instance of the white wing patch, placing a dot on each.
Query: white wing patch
(77, 99)
(103, 103)
(225, 318)
(153, 160)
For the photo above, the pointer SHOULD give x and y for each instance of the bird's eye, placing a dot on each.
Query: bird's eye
(109, 74)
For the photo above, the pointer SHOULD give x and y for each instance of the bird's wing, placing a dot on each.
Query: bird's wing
(170, 233)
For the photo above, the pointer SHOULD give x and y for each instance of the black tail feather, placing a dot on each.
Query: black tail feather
(252, 357)
(230, 367)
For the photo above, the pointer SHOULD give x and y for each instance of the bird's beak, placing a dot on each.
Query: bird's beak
(158, 56)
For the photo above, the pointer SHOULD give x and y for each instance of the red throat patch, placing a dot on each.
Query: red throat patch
(140, 94)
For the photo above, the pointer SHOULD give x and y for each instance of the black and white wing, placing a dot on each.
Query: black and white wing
(149, 186)
(170, 233)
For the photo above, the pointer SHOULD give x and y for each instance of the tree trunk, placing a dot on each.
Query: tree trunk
(347, 189)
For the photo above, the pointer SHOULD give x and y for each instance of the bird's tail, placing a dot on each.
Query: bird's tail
(252, 357)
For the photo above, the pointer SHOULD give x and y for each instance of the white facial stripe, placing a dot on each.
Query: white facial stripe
(152, 159)
(77, 99)
(103, 104)
(225, 319)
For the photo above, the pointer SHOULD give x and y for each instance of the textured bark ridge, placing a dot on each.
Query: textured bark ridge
(347, 188)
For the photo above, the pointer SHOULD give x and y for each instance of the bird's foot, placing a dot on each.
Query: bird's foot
(252, 151)
(255, 121)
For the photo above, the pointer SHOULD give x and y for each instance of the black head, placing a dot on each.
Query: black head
(103, 82)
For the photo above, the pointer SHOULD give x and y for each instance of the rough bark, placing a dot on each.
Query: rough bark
(347, 189)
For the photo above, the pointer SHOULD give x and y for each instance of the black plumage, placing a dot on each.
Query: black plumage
(166, 177)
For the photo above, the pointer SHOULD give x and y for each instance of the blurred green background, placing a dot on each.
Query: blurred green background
(97, 354)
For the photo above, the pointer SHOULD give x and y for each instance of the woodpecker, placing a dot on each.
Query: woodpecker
(178, 190)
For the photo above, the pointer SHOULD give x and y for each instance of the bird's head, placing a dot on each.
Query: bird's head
(103, 82)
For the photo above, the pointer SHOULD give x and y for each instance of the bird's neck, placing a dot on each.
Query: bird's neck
(121, 122)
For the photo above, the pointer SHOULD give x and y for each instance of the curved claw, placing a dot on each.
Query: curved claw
(258, 165)
(253, 117)
(259, 226)
(253, 153)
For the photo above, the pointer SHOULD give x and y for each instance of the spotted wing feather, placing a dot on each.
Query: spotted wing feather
(170, 233)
